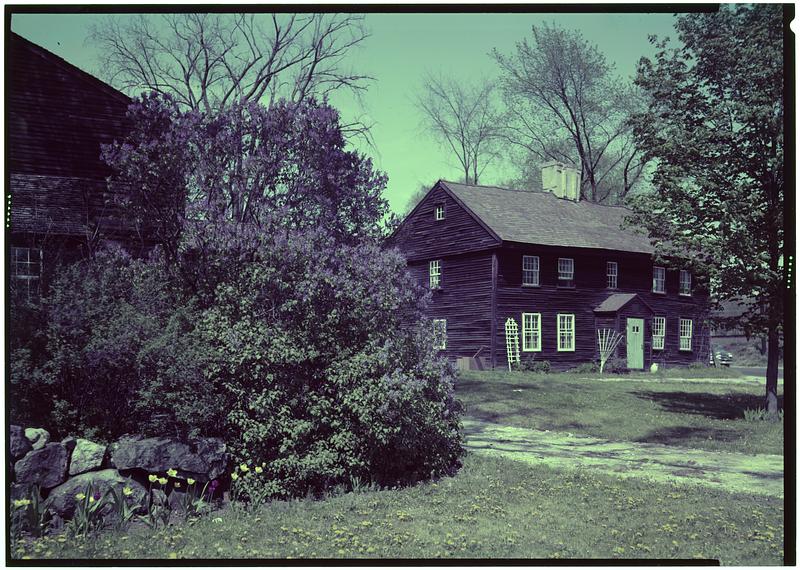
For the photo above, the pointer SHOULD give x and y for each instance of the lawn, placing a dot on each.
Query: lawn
(493, 508)
(705, 415)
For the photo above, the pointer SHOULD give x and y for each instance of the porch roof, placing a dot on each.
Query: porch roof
(615, 302)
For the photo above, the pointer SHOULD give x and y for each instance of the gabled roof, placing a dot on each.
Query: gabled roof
(616, 301)
(542, 218)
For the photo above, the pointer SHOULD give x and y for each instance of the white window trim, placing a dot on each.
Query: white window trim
(537, 320)
(443, 344)
(435, 274)
(609, 274)
(571, 320)
(663, 281)
(688, 274)
(682, 336)
(535, 271)
(436, 210)
(571, 279)
(31, 281)
(662, 336)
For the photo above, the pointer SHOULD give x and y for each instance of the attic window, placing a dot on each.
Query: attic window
(26, 270)
(566, 272)
(659, 279)
(438, 212)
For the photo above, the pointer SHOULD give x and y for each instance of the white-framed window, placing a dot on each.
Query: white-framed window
(566, 272)
(686, 334)
(531, 332)
(566, 332)
(438, 212)
(611, 274)
(659, 331)
(659, 279)
(440, 334)
(530, 270)
(435, 273)
(685, 283)
(26, 270)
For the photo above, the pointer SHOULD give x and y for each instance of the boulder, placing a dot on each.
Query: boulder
(46, 467)
(38, 437)
(87, 456)
(19, 444)
(62, 499)
(202, 459)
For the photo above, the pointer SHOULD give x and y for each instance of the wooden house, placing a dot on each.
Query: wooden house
(57, 117)
(562, 268)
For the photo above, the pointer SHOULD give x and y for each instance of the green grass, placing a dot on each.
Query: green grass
(687, 414)
(493, 508)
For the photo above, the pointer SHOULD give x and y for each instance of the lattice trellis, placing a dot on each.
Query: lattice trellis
(512, 341)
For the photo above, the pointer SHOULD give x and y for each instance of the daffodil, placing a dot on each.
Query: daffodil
(162, 481)
(127, 491)
(190, 481)
(244, 468)
(91, 499)
(21, 503)
(259, 469)
(80, 496)
(172, 472)
(234, 476)
(152, 478)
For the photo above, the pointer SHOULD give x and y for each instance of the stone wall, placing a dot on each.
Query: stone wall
(66, 468)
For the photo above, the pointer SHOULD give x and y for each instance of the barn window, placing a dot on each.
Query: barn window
(530, 270)
(438, 212)
(566, 333)
(566, 272)
(611, 274)
(659, 279)
(685, 287)
(435, 273)
(659, 330)
(686, 334)
(531, 332)
(26, 270)
(440, 334)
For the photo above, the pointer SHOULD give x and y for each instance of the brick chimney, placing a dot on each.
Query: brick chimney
(562, 180)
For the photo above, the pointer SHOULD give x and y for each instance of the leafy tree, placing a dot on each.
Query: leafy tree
(465, 120)
(565, 103)
(715, 129)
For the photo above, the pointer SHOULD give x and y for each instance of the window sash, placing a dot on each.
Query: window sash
(659, 280)
(659, 331)
(566, 272)
(530, 270)
(531, 332)
(685, 287)
(686, 334)
(435, 274)
(566, 332)
(611, 274)
(440, 334)
(438, 212)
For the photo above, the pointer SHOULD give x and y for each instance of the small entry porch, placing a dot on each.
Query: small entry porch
(630, 316)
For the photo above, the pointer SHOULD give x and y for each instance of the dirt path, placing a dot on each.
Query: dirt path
(760, 474)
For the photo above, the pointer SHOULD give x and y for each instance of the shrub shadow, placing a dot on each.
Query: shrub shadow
(729, 406)
(677, 435)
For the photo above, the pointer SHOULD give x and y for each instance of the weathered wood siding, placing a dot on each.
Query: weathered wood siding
(634, 276)
(464, 299)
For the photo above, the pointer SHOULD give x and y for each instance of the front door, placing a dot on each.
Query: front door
(635, 340)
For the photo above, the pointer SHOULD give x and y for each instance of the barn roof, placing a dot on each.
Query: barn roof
(544, 219)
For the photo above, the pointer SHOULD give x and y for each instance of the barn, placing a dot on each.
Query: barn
(560, 267)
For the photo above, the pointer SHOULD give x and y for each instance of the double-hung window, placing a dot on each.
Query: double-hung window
(530, 270)
(686, 334)
(26, 270)
(435, 273)
(611, 274)
(659, 330)
(566, 272)
(685, 283)
(438, 212)
(659, 279)
(566, 332)
(440, 334)
(531, 332)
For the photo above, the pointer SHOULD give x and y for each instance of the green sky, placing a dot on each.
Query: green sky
(400, 50)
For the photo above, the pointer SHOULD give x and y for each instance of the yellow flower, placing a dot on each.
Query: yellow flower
(127, 491)
(152, 478)
(244, 468)
(22, 503)
(190, 481)
(177, 484)
(234, 476)
(80, 496)
(259, 469)
(172, 472)
(91, 499)
(162, 481)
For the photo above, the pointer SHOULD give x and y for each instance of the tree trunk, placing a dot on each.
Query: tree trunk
(771, 401)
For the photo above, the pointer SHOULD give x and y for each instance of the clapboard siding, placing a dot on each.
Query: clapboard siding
(464, 300)
(421, 237)
(635, 276)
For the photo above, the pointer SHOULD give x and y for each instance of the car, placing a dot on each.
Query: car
(721, 357)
